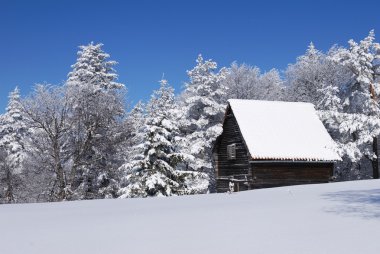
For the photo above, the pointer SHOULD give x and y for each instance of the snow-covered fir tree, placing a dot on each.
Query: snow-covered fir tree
(360, 125)
(203, 105)
(13, 130)
(97, 100)
(330, 99)
(93, 70)
(360, 92)
(13, 134)
(132, 148)
(154, 172)
(331, 114)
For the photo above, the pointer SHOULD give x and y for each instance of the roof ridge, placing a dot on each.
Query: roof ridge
(269, 101)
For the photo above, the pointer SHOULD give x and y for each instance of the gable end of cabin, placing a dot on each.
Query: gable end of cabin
(231, 156)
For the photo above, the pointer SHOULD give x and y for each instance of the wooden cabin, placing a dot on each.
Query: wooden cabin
(270, 144)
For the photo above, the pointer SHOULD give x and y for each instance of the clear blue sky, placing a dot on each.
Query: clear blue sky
(39, 39)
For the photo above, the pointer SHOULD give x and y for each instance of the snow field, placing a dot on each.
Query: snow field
(326, 218)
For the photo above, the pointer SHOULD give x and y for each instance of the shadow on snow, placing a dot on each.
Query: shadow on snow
(361, 203)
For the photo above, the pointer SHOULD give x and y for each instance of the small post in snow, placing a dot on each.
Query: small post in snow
(231, 187)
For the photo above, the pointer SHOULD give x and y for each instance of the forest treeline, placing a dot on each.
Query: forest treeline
(77, 141)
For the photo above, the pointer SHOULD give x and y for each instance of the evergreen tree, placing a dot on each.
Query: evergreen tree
(13, 134)
(132, 149)
(97, 110)
(362, 126)
(154, 173)
(203, 110)
(93, 70)
(358, 59)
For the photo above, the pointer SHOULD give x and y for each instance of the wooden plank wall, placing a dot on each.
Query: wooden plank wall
(291, 173)
(238, 168)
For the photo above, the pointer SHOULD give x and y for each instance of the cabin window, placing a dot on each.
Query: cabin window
(231, 152)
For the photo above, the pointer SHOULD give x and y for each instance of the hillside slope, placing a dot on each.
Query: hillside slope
(326, 218)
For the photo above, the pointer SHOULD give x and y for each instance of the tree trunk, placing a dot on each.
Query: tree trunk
(9, 192)
(375, 162)
(61, 183)
(59, 171)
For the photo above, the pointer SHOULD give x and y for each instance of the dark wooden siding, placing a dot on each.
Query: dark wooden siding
(231, 169)
(274, 174)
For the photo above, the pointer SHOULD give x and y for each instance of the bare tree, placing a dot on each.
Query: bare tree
(47, 111)
(247, 82)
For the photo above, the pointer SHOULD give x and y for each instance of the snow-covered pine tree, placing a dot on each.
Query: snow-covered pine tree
(132, 148)
(13, 133)
(360, 101)
(330, 100)
(93, 70)
(97, 108)
(358, 59)
(203, 110)
(154, 173)
(331, 114)
(135, 122)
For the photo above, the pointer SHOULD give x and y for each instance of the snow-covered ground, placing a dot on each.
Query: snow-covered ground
(326, 218)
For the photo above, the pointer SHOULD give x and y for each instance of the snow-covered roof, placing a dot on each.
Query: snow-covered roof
(276, 130)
